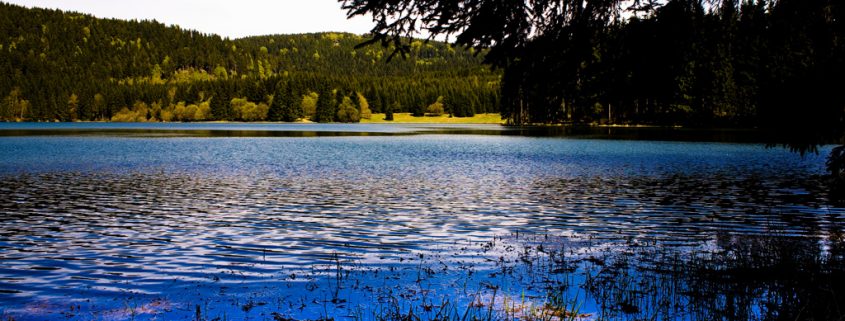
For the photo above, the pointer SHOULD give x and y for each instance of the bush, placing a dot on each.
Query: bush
(249, 111)
(138, 113)
(346, 112)
(435, 109)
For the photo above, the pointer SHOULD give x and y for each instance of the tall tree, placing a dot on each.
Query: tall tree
(326, 105)
(774, 64)
(291, 109)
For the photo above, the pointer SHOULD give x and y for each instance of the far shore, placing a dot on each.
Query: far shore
(398, 118)
(408, 118)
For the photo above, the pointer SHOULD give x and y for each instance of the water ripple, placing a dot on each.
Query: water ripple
(108, 217)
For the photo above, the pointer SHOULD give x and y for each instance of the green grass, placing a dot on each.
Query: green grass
(443, 119)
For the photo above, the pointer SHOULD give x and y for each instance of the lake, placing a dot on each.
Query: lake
(103, 221)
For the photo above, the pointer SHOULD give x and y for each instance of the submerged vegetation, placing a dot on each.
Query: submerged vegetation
(416, 228)
(68, 66)
(541, 277)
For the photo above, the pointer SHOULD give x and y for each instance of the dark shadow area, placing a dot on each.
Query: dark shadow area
(741, 278)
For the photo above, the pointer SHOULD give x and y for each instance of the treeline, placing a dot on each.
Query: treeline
(69, 66)
(747, 63)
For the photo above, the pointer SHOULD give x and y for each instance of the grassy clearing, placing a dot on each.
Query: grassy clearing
(443, 119)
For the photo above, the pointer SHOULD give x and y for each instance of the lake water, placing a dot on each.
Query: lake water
(263, 221)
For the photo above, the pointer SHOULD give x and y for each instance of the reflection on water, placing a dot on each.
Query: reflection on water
(112, 227)
(771, 277)
(388, 129)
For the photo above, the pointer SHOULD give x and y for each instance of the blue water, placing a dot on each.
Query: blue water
(160, 221)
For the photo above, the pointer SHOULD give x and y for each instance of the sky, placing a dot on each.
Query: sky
(227, 18)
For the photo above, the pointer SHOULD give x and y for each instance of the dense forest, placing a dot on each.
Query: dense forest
(749, 63)
(776, 65)
(70, 66)
(773, 64)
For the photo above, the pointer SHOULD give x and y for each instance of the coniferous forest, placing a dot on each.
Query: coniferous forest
(750, 63)
(69, 66)
(772, 64)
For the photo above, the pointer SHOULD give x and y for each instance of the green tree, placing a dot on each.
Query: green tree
(309, 105)
(388, 111)
(326, 106)
(73, 107)
(285, 106)
(14, 106)
(220, 105)
(436, 108)
(220, 72)
(249, 111)
(276, 106)
(364, 106)
(347, 113)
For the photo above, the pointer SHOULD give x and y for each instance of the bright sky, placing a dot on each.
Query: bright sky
(227, 18)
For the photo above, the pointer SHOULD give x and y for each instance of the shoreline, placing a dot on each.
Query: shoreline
(407, 118)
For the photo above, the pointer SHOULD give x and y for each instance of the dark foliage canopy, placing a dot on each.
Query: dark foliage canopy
(503, 26)
(771, 64)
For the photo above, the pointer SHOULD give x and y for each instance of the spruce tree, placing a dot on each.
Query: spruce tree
(290, 105)
(276, 108)
(326, 105)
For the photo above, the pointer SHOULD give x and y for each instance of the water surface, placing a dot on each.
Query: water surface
(152, 221)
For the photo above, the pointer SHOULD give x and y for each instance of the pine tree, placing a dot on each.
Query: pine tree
(326, 105)
(347, 113)
(275, 111)
(290, 105)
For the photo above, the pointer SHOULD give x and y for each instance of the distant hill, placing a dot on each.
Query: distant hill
(69, 66)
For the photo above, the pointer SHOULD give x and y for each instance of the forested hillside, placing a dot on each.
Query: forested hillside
(69, 66)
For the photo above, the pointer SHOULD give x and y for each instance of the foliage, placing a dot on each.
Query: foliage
(491, 118)
(364, 105)
(309, 104)
(390, 109)
(836, 162)
(326, 106)
(388, 113)
(249, 111)
(346, 111)
(285, 106)
(110, 66)
(772, 64)
(14, 106)
(138, 113)
(436, 108)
